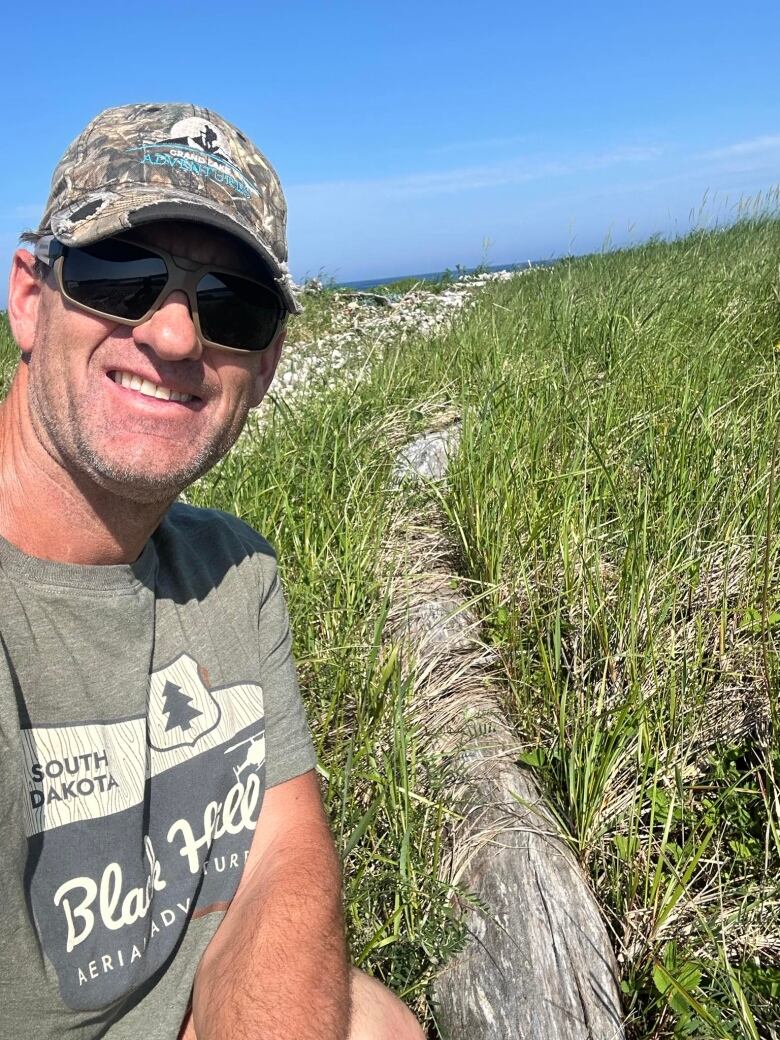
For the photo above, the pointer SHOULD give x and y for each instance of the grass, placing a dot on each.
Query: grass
(612, 496)
(9, 355)
(613, 504)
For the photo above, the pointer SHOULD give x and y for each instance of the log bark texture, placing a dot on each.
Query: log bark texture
(538, 964)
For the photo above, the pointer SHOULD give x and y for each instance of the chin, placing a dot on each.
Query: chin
(140, 488)
(136, 483)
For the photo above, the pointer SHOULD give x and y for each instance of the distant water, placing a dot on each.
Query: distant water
(436, 276)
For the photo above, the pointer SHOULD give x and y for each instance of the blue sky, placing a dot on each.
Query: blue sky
(417, 136)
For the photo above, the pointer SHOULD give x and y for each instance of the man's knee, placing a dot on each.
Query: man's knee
(377, 1014)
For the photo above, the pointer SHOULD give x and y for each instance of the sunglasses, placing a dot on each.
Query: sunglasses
(127, 282)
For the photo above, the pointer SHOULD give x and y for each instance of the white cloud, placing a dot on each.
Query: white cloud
(471, 178)
(755, 146)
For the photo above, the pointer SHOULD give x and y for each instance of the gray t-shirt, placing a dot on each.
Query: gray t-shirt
(144, 709)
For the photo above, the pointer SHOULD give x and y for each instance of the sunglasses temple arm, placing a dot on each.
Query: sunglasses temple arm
(47, 249)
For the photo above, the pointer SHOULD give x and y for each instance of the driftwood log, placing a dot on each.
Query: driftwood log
(538, 964)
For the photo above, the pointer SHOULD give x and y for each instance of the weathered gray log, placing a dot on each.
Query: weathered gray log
(539, 964)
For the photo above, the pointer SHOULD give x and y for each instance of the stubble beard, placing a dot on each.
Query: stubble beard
(68, 441)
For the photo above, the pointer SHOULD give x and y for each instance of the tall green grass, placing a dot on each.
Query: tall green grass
(9, 355)
(611, 506)
(613, 497)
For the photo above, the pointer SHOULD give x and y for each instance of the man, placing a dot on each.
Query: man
(167, 865)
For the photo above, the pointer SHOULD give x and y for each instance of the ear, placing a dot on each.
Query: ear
(24, 299)
(269, 359)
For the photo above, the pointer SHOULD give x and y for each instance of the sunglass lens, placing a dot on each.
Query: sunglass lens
(237, 312)
(116, 278)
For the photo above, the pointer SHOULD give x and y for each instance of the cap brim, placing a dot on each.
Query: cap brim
(115, 213)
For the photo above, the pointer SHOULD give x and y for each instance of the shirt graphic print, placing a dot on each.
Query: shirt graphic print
(139, 825)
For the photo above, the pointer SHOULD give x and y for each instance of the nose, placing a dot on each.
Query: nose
(170, 331)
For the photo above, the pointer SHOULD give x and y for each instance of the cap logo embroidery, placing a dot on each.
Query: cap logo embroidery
(196, 133)
(198, 146)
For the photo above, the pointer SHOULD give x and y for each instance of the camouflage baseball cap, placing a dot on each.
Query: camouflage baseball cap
(139, 163)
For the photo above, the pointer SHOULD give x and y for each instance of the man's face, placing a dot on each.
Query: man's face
(138, 446)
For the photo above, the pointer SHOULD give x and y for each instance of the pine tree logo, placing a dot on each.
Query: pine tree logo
(177, 705)
(182, 707)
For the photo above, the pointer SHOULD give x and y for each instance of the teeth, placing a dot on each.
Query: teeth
(148, 388)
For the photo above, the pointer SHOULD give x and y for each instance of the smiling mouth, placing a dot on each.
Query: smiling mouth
(148, 388)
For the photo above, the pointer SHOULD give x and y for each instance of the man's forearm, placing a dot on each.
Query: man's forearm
(277, 966)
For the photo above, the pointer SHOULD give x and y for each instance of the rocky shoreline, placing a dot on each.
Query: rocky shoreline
(361, 323)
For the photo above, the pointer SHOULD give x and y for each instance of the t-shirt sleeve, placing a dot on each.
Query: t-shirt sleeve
(288, 745)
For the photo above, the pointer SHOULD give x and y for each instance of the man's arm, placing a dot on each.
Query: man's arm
(277, 965)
